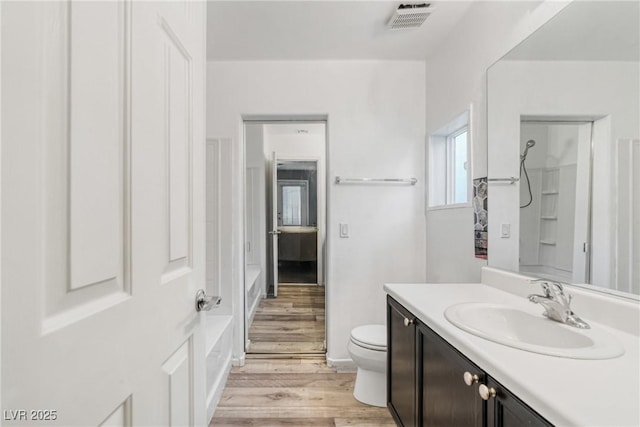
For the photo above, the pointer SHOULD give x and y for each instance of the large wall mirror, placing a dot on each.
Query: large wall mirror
(564, 149)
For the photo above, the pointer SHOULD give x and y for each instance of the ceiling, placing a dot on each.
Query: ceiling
(323, 30)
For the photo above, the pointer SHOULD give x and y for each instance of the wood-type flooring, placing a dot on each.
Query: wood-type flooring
(279, 386)
(293, 392)
(291, 323)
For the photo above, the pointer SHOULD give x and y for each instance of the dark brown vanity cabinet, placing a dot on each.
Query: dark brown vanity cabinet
(445, 399)
(401, 360)
(506, 410)
(430, 383)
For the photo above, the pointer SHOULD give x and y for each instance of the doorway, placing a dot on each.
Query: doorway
(296, 201)
(555, 175)
(285, 222)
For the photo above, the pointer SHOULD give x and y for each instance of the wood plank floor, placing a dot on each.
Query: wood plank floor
(294, 392)
(291, 323)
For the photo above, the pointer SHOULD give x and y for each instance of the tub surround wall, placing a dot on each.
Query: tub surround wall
(218, 336)
(375, 110)
(255, 256)
(217, 324)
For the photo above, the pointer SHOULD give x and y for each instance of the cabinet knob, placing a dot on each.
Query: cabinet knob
(485, 392)
(408, 322)
(470, 379)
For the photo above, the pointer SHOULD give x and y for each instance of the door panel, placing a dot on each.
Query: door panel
(95, 140)
(446, 400)
(103, 211)
(274, 222)
(177, 72)
(177, 369)
(401, 365)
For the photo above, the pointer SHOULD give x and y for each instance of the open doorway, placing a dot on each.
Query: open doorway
(285, 223)
(296, 201)
(555, 199)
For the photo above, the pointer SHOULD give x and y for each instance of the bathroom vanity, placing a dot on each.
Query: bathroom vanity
(439, 374)
(431, 383)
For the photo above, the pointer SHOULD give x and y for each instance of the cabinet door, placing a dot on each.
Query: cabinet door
(506, 410)
(401, 366)
(446, 400)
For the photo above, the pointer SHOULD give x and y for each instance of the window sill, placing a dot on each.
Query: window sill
(445, 207)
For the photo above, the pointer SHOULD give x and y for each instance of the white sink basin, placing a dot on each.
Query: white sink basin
(532, 332)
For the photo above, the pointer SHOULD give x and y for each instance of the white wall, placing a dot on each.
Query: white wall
(456, 79)
(375, 112)
(589, 89)
(303, 147)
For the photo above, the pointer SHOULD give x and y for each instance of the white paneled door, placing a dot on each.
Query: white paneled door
(274, 223)
(102, 213)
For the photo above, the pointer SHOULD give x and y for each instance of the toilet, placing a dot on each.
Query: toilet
(368, 350)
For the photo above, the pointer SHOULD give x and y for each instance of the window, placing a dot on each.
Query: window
(449, 159)
(293, 202)
(291, 205)
(457, 179)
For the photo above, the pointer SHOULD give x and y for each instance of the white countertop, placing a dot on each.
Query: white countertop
(567, 392)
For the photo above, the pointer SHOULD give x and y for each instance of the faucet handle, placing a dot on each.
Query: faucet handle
(557, 285)
(550, 286)
(545, 286)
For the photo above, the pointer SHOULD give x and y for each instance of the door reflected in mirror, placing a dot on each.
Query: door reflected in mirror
(554, 193)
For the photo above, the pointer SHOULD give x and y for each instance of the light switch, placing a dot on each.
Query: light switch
(344, 230)
(505, 231)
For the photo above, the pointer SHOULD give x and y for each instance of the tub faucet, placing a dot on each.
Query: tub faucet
(557, 304)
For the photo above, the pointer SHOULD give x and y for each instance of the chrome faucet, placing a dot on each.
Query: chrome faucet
(557, 304)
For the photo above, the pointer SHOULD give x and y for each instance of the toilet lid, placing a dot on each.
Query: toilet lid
(373, 337)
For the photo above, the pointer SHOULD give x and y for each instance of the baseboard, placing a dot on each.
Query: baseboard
(253, 309)
(341, 365)
(239, 361)
(310, 356)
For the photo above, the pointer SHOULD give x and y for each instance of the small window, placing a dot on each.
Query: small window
(457, 191)
(449, 159)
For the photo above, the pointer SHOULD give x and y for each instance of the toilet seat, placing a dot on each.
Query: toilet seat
(372, 337)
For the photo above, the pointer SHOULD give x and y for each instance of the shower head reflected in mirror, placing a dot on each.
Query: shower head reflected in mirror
(523, 168)
(530, 143)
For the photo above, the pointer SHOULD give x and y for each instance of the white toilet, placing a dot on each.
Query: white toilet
(368, 350)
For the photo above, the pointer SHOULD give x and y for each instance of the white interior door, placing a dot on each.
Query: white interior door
(274, 222)
(102, 213)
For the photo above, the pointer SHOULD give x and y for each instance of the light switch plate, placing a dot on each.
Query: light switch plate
(344, 230)
(505, 231)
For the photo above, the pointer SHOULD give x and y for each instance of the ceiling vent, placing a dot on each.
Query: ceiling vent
(409, 16)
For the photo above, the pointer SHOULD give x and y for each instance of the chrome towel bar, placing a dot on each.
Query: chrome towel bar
(408, 181)
(510, 180)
